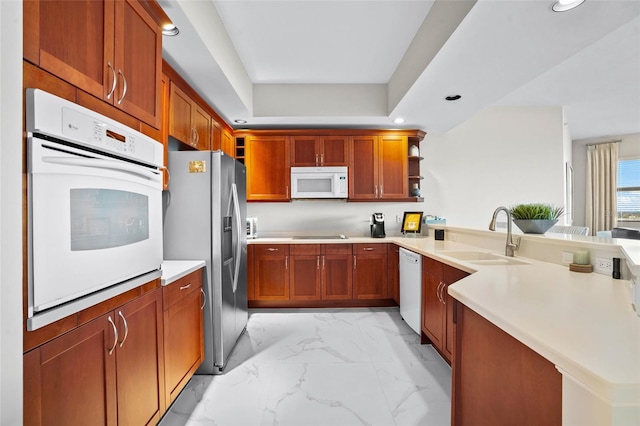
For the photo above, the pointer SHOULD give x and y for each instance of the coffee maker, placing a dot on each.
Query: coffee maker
(377, 225)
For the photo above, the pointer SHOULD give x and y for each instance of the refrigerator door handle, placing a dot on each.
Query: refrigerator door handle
(239, 229)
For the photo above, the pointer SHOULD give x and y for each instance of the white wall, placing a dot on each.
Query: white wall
(10, 212)
(499, 157)
(629, 148)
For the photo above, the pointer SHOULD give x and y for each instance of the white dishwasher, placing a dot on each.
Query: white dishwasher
(410, 288)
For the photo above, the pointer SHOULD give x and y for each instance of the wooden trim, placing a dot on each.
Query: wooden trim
(414, 133)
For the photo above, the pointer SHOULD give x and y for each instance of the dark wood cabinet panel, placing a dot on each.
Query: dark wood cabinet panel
(268, 169)
(363, 172)
(188, 122)
(140, 360)
(379, 168)
(312, 151)
(109, 49)
(334, 151)
(394, 272)
(337, 272)
(271, 272)
(305, 277)
(393, 167)
(437, 305)
(107, 371)
(138, 62)
(497, 380)
(370, 271)
(72, 379)
(183, 332)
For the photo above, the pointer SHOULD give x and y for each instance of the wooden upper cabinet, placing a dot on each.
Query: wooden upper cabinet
(268, 168)
(379, 168)
(312, 151)
(228, 143)
(109, 49)
(188, 122)
(138, 62)
(363, 171)
(393, 167)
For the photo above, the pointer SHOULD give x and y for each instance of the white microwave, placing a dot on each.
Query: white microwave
(319, 182)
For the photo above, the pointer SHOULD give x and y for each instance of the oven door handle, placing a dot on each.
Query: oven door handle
(103, 164)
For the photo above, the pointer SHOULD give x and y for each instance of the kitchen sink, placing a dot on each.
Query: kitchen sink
(482, 257)
(470, 254)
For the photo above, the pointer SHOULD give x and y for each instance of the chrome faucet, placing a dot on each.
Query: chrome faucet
(510, 246)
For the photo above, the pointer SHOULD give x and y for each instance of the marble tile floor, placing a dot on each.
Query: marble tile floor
(322, 367)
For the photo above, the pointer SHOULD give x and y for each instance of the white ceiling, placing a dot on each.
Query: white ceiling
(362, 63)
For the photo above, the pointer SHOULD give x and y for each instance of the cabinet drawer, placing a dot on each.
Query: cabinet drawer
(181, 288)
(271, 250)
(336, 249)
(304, 249)
(370, 248)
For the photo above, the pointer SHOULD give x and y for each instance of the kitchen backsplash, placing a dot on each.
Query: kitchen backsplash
(327, 217)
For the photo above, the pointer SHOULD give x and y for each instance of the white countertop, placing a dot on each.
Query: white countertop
(583, 323)
(173, 270)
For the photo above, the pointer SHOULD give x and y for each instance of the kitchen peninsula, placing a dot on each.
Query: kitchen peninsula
(584, 325)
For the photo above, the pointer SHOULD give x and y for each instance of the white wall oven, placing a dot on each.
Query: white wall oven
(94, 208)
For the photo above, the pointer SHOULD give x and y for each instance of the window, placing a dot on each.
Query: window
(629, 190)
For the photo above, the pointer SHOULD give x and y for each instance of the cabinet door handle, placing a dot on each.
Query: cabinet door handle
(124, 89)
(322, 262)
(287, 192)
(204, 299)
(115, 80)
(369, 248)
(322, 159)
(126, 328)
(375, 191)
(381, 191)
(354, 261)
(272, 249)
(115, 335)
(438, 291)
(317, 160)
(184, 287)
(286, 262)
(317, 262)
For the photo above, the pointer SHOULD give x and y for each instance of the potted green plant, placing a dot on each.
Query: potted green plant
(535, 218)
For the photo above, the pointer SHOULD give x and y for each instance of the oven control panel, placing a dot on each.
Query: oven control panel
(56, 117)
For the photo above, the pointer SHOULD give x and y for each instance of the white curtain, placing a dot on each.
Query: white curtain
(602, 185)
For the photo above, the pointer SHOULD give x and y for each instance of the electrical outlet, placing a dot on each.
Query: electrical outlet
(398, 219)
(567, 257)
(603, 266)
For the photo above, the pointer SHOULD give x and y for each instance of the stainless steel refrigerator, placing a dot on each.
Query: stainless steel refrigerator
(205, 218)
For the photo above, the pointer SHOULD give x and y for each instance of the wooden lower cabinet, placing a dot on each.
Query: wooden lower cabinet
(393, 256)
(183, 303)
(497, 380)
(318, 275)
(271, 272)
(304, 275)
(437, 305)
(108, 371)
(337, 273)
(370, 271)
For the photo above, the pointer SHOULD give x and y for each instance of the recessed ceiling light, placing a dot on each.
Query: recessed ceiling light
(453, 97)
(170, 30)
(398, 120)
(240, 121)
(564, 5)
